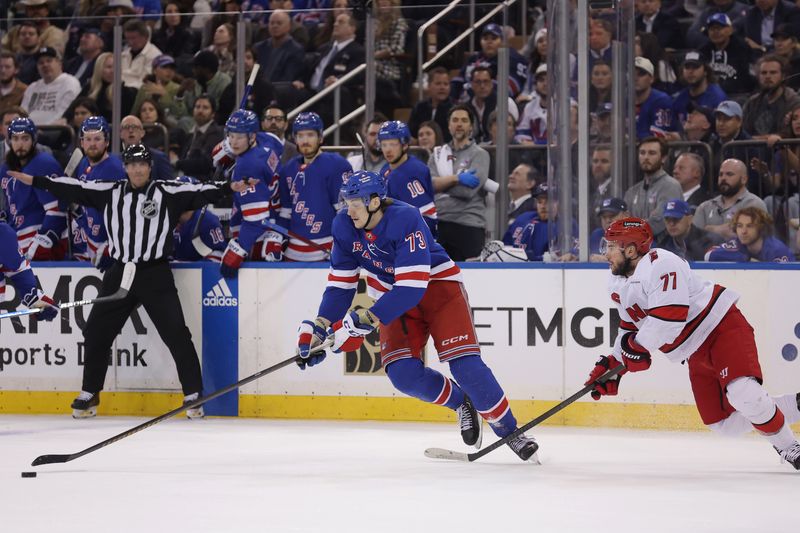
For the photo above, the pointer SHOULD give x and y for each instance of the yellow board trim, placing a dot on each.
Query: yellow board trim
(585, 414)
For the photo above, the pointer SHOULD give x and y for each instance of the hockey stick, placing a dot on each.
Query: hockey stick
(363, 150)
(249, 87)
(197, 241)
(69, 170)
(292, 235)
(441, 453)
(53, 458)
(128, 273)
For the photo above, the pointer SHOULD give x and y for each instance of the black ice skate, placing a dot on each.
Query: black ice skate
(791, 455)
(525, 448)
(196, 412)
(85, 405)
(470, 422)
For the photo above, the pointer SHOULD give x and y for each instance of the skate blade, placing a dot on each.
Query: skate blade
(478, 442)
(84, 413)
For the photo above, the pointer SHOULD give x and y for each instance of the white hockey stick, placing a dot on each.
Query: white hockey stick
(73, 162)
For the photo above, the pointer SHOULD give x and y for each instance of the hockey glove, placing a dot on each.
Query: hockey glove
(232, 259)
(634, 355)
(41, 249)
(349, 332)
(101, 260)
(36, 299)
(310, 335)
(273, 247)
(222, 155)
(468, 178)
(611, 386)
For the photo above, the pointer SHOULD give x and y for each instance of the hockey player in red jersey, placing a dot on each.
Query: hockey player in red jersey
(667, 310)
(418, 293)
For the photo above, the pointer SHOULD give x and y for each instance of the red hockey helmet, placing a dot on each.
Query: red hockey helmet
(631, 230)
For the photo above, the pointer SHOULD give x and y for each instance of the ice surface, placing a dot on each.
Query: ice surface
(242, 475)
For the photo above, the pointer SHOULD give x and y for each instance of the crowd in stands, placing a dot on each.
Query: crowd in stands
(707, 72)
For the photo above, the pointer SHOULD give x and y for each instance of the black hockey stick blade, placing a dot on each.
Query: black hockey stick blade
(56, 458)
(441, 453)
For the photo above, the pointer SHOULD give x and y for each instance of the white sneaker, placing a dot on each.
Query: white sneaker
(196, 412)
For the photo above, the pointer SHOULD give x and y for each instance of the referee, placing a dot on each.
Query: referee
(139, 216)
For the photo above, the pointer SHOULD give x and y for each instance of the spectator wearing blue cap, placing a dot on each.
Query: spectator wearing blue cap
(682, 237)
(728, 55)
(90, 46)
(609, 211)
(753, 241)
(734, 10)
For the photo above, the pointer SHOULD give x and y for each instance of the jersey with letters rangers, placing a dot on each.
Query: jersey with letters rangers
(89, 219)
(411, 183)
(258, 201)
(13, 266)
(309, 202)
(32, 211)
(399, 257)
(672, 308)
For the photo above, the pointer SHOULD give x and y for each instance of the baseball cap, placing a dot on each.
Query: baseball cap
(719, 18)
(784, 31)
(729, 108)
(693, 57)
(164, 60)
(612, 205)
(492, 28)
(47, 51)
(644, 64)
(677, 209)
(541, 189)
(541, 68)
(604, 109)
(96, 31)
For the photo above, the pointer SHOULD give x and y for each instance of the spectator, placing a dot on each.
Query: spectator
(665, 27)
(491, 39)
(484, 101)
(521, 182)
(601, 32)
(228, 11)
(700, 87)
(534, 237)
(101, 87)
(729, 56)
(82, 66)
(728, 119)
(536, 52)
(610, 210)
(715, 215)
(136, 59)
(654, 116)
(785, 39)
(274, 121)
(174, 38)
(459, 170)
(11, 88)
(47, 99)
(112, 12)
(79, 110)
(298, 31)
(760, 22)
(325, 31)
(195, 157)
(690, 171)
(50, 36)
(280, 56)
(390, 40)
(600, 127)
(375, 160)
(207, 81)
(151, 114)
(532, 128)
(764, 112)
(753, 240)
(132, 133)
(160, 87)
(261, 95)
(664, 78)
(511, 127)
(646, 198)
(733, 10)
(681, 237)
(600, 88)
(436, 106)
(27, 49)
(430, 136)
(224, 47)
(600, 167)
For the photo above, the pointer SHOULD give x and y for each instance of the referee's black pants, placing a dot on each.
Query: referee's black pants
(153, 287)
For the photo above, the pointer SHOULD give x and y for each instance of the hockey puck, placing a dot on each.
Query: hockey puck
(29, 474)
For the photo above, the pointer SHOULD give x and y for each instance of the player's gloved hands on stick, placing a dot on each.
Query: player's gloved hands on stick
(36, 299)
(232, 259)
(310, 335)
(609, 387)
(273, 247)
(468, 178)
(634, 355)
(349, 332)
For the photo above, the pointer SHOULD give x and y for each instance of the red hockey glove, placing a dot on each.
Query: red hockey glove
(611, 386)
(232, 259)
(273, 247)
(634, 355)
(349, 332)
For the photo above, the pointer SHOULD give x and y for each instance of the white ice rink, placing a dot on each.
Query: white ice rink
(241, 475)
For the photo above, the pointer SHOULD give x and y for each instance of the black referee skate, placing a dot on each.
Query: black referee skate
(470, 422)
(525, 448)
(85, 405)
(196, 412)
(791, 455)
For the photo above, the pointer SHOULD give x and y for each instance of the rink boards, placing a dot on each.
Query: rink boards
(541, 327)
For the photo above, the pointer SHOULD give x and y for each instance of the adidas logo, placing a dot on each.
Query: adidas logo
(220, 296)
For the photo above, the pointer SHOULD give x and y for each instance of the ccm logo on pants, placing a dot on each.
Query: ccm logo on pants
(453, 340)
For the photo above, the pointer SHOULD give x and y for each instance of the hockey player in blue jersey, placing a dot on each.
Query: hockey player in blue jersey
(309, 188)
(534, 236)
(16, 269)
(35, 215)
(407, 178)
(97, 165)
(209, 243)
(418, 293)
(257, 202)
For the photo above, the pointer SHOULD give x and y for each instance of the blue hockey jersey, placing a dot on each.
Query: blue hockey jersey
(411, 183)
(32, 211)
(210, 232)
(399, 257)
(257, 202)
(733, 250)
(513, 235)
(654, 115)
(309, 202)
(89, 219)
(13, 266)
(711, 98)
(535, 239)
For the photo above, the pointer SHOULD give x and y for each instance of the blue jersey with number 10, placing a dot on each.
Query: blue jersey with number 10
(411, 183)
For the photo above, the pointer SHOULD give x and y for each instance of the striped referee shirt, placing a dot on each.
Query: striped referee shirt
(139, 222)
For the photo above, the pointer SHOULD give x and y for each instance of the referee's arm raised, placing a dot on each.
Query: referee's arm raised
(191, 196)
(95, 194)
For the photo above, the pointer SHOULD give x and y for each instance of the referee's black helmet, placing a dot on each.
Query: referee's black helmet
(137, 152)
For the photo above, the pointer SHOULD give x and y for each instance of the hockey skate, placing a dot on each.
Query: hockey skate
(196, 412)
(791, 455)
(470, 423)
(525, 448)
(85, 405)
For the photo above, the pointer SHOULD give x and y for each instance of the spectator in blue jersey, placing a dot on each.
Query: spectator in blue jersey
(418, 294)
(700, 89)
(610, 210)
(407, 178)
(753, 241)
(681, 236)
(653, 107)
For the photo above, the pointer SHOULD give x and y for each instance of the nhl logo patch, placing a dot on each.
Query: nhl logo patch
(149, 209)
